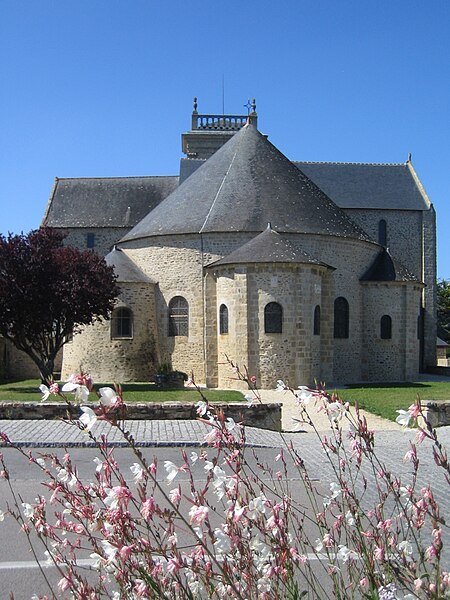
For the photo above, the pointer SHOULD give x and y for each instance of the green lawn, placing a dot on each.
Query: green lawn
(28, 391)
(385, 399)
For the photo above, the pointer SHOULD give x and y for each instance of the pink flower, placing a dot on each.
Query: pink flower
(173, 565)
(148, 508)
(198, 514)
(379, 553)
(414, 410)
(118, 496)
(175, 495)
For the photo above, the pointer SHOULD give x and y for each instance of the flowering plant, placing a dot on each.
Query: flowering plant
(224, 523)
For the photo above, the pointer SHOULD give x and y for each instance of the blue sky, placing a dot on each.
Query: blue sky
(105, 87)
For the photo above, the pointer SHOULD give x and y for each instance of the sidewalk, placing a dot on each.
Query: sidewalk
(290, 411)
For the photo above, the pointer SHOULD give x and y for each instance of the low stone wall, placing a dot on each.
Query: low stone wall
(264, 416)
(437, 412)
(442, 371)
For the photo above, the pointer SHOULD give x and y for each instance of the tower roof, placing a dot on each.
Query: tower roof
(245, 184)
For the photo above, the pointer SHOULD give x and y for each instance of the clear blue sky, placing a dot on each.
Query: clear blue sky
(105, 87)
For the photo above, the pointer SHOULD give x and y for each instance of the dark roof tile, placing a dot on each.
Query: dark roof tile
(268, 247)
(245, 184)
(105, 201)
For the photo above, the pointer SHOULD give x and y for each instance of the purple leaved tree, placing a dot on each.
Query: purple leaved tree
(48, 291)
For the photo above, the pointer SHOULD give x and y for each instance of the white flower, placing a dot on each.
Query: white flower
(68, 478)
(108, 396)
(304, 395)
(222, 541)
(281, 386)
(41, 462)
(255, 506)
(109, 550)
(230, 424)
(138, 472)
(28, 510)
(172, 471)
(194, 457)
(335, 411)
(250, 398)
(99, 464)
(350, 518)
(405, 547)
(403, 418)
(88, 418)
(45, 392)
(81, 391)
(345, 554)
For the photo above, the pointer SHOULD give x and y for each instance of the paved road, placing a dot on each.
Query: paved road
(166, 438)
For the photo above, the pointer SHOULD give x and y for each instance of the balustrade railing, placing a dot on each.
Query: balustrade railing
(219, 122)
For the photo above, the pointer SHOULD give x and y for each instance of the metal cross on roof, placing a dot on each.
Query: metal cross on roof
(248, 106)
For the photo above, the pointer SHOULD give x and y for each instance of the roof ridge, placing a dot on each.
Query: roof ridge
(331, 162)
(117, 177)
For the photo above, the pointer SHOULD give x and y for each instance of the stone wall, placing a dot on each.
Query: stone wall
(179, 264)
(411, 239)
(397, 358)
(264, 416)
(104, 237)
(121, 359)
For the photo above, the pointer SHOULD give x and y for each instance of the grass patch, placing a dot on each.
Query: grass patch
(28, 391)
(385, 399)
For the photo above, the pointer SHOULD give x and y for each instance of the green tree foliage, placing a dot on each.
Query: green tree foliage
(443, 306)
(48, 291)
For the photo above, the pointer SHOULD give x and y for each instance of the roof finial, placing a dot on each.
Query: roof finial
(248, 106)
(269, 226)
(195, 104)
(253, 106)
(409, 157)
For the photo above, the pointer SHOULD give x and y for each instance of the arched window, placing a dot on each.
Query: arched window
(178, 316)
(386, 327)
(223, 319)
(382, 232)
(316, 326)
(122, 323)
(273, 318)
(341, 318)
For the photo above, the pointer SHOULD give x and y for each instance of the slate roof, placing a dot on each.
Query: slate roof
(357, 185)
(124, 268)
(268, 247)
(245, 184)
(105, 201)
(385, 268)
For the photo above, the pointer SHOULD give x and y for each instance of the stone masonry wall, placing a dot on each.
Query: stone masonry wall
(395, 359)
(123, 359)
(104, 238)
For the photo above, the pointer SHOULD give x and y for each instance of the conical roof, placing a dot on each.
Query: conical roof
(385, 268)
(124, 268)
(268, 247)
(245, 184)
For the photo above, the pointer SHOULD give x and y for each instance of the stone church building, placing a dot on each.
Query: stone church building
(302, 271)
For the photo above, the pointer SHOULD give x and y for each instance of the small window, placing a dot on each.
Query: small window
(178, 317)
(382, 232)
(316, 327)
(122, 323)
(273, 318)
(341, 318)
(386, 327)
(90, 240)
(223, 319)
